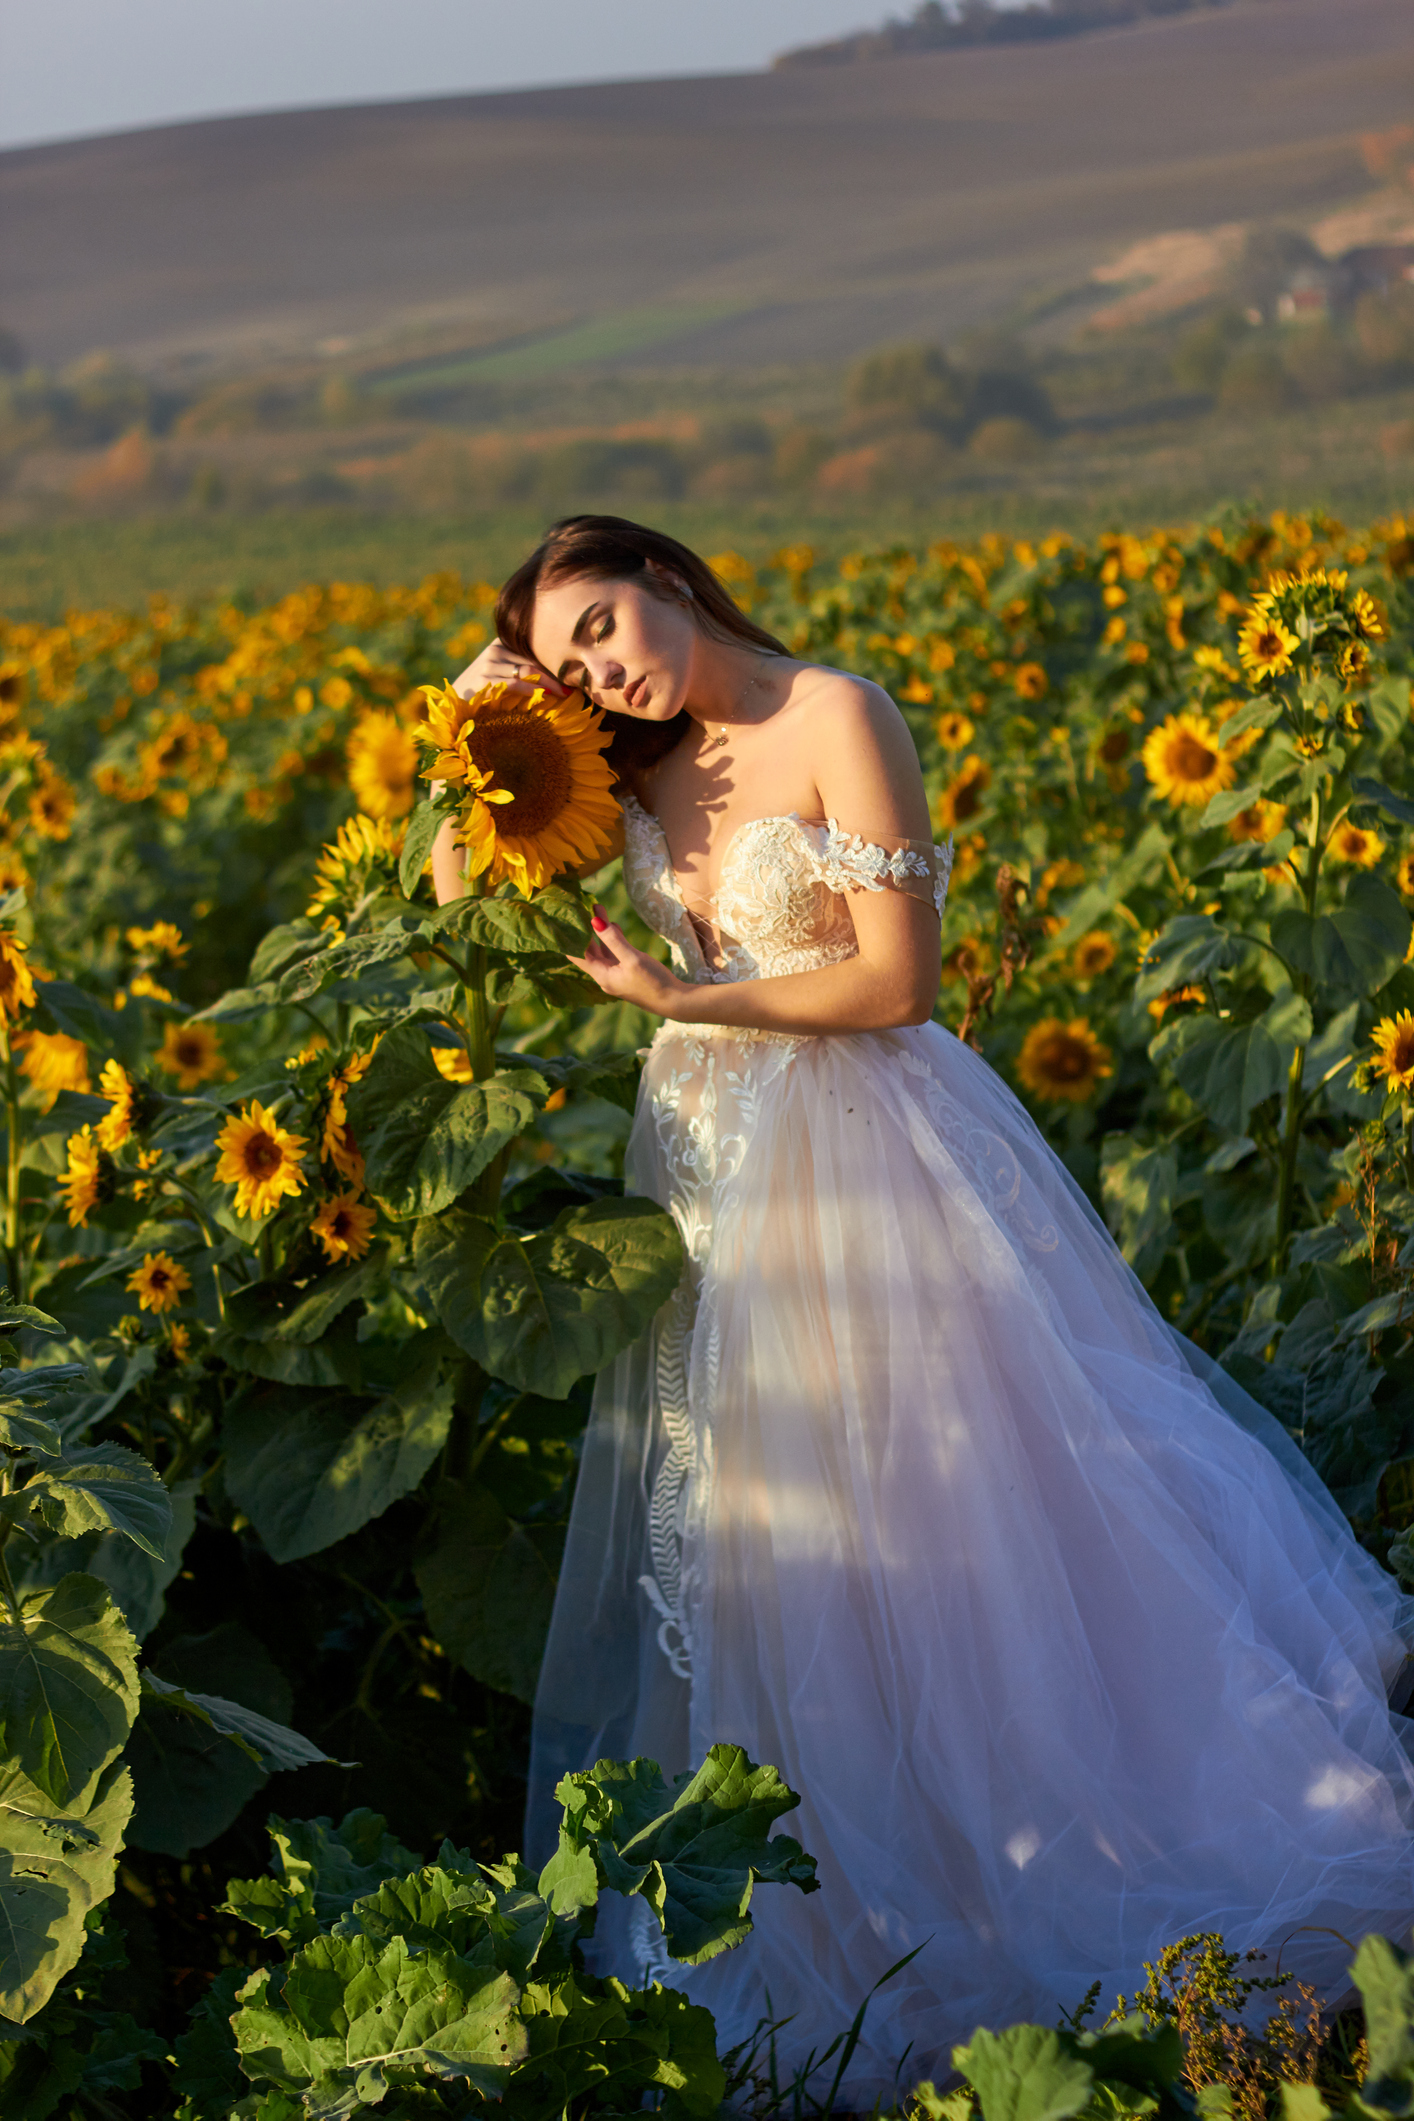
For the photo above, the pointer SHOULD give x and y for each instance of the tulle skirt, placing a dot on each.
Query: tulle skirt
(911, 1492)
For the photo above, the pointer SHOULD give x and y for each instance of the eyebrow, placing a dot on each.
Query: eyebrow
(579, 630)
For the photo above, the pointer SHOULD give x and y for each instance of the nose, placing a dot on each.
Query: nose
(603, 674)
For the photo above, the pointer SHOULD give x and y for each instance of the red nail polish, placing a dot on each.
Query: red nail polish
(598, 922)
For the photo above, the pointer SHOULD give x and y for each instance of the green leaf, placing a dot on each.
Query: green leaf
(1228, 1068)
(272, 1746)
(106, 1488)
(1228, 803)
(1369, 790)
(355, 2018)
(1384, 1976)
(309, 1467)
(26, 1432)
(300, 1312)
(488, 1586)
(1302, 2102)
(53, 1872)
(544, 1310)
(68, 1687)
(612, 1076)
(1142, 862)
(553, 921)
(319, 1871)
(424, 1139)
(1027, 2073)
(422, 829)
(285, 946)
(1137, 1186)
(190, 1779)
(1347, 1437)
(1188, 950)
(355, 955)
(60, 1006)
(694, 1852)
(1357, 948)
(14, 1315)
(139, 1580)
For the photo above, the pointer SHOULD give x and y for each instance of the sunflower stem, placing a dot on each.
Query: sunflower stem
(1295, 1105)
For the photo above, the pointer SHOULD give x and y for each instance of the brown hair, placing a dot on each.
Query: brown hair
(611, 549)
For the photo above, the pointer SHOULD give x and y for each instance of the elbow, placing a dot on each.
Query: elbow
(910, 1006)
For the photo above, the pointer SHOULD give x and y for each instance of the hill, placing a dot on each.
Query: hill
(732, 222)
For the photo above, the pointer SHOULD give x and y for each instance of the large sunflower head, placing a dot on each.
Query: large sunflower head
(1062, 1062)
(1266, 646)
(383, 761)
(191, 1052)
(1185, 761)
(538, 790)
(1394, 1047)
(260, 1159)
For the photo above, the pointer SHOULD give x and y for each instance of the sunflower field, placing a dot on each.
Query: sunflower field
(315, 1238)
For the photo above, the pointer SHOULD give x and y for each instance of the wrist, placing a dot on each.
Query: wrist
(691, 1003)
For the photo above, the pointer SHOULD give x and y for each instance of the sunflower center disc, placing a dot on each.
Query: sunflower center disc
(528, 758)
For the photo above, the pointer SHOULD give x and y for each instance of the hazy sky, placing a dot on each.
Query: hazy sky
(83, 66)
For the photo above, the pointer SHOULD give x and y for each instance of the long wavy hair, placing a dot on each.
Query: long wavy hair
(611, 549)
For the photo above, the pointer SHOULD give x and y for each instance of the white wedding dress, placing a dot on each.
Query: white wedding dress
(910, 1491)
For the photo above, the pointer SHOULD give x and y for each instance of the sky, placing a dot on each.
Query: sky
(72, 67)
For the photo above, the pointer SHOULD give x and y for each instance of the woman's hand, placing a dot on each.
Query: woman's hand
(496, 663)
(629, 975)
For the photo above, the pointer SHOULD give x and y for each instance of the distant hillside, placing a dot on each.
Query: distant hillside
(805, 214)
(935, 28)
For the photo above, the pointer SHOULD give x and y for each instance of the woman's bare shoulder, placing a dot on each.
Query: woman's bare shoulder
(862, 752)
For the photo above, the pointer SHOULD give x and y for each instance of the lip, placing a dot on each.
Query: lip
(633, 694)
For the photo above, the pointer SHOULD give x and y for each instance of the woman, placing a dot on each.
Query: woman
(909, 1490)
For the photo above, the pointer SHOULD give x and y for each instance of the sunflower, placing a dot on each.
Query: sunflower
(1351, 843)
(1216, 664)
(1185, 761)
(1404, 876)
(191, 1052)
(383, 760)
(962, 798)
(1352, 665)
(259, 1159)
(1265, 645)
(538, 790)
(363, 851)
(53, 1062)
(1175, 994)
(1368, 616)
(159, 1284)
(344, 1226)
(16, 985)
(83, 1184)
(143, 983)
(179, 1341)
(52, 804)
(182, 745)
(1031, 681)
(1062, 1061)
(338, 1145)
(954, 730)
(1394, 1046)
(1114, 745)
(163, 937)
(1094, 954)
(1259, 821)
(122, 1094)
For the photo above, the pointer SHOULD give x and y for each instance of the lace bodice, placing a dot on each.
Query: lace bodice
(780, 904)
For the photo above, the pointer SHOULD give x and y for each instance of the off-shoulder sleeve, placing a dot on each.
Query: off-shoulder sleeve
(876, 861)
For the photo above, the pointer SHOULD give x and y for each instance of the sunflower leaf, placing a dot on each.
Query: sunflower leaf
(1357, 947)
(68, 1687)
(103, 1489)
(422, 829)
(552, 921)
(542, 1311)
(424, 1139)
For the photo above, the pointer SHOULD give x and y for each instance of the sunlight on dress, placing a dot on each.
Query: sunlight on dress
(911, 1492)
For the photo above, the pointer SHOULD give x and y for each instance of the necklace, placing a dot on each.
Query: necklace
(715, 743)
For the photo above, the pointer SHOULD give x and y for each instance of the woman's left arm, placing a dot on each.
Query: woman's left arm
(866, 773)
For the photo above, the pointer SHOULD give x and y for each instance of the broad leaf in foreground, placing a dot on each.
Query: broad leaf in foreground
(316, 1874)
(544, 1310)
(694, 1852)
(488, 1586)
(54, 1868)
(68, 1687)
(424, 1139)
(309, 1467)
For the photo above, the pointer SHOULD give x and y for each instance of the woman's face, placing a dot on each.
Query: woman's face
(629, 646)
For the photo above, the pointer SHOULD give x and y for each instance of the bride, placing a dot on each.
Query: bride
(909, 1490)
